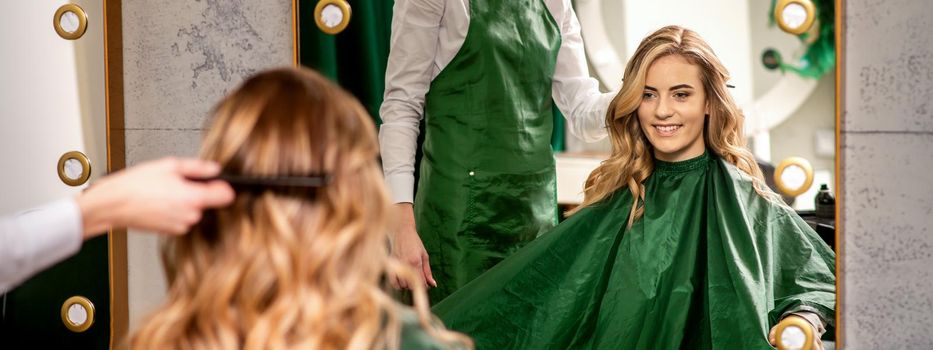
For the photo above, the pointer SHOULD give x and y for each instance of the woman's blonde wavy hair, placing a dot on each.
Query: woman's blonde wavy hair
(288, 267)
(632, 161)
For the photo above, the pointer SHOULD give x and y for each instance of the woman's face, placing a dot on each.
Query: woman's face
(673, 109)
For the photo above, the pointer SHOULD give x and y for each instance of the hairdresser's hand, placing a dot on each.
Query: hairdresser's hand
(407, 247)
(817, 343)
(153, 196)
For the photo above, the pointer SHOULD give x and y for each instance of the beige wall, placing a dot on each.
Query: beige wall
(51, 102)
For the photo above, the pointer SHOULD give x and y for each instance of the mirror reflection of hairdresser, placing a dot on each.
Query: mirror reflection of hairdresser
(482, 75)
(152, 196)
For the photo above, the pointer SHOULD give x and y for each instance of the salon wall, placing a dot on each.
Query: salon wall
(35, 61)
(181, 57)
(887, 138)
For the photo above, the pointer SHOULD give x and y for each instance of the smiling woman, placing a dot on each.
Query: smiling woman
(678, 243)
(673, 109)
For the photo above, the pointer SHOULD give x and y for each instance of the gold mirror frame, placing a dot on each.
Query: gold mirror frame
(344, 8)
(82, 21)
(88, 307)
(804, 165)
(807, 23)
(85, 168)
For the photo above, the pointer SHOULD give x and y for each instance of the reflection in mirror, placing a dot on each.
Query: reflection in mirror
(784, 83)
(331, 16)
(781, 58)
(793, 176)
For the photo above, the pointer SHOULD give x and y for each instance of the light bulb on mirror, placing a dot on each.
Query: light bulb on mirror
(332, 16)
(793, 176)
(795, 16)
(70, 21)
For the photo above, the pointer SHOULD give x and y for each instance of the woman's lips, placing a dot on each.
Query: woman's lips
(667, 130)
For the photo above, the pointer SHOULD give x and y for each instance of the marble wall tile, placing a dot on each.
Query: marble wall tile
(887, 285)
(889, 65)
(181, 57)
(888, 242)
(143, 145)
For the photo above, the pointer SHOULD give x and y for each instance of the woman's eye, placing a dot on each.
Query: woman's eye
(647, 96)
(681, 95)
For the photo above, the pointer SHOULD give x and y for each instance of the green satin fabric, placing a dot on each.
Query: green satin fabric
(711, 265)
(487, 182)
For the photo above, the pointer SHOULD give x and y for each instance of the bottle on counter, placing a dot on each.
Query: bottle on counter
(825, 203)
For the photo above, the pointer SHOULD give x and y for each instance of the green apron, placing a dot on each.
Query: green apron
(487, 181)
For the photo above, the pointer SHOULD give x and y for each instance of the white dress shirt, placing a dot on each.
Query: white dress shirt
(36, 239)
(426, 35)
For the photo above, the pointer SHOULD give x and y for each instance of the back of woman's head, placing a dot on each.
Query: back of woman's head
(285, 267)
(632, 159)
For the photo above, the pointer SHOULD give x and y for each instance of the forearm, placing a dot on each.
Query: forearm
(577, 94)
(98, 211)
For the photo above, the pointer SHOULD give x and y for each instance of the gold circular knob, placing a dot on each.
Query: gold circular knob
(795, 16)
(70, 21)
(74, 168)
(78, 314)
(793, 333)
(332, 16)
(793, 176)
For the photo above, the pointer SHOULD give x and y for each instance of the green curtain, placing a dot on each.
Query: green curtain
(355, 58)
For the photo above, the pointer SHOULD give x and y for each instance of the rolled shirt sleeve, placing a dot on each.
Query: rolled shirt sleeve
(575, 93)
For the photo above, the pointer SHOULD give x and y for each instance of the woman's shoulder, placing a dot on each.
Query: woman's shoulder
(743, 186)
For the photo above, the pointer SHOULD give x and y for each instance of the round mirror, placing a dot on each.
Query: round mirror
(793, 176)
(332, 16)
(70, 21)
(78, 314)
(795, 16)
(74, 168)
